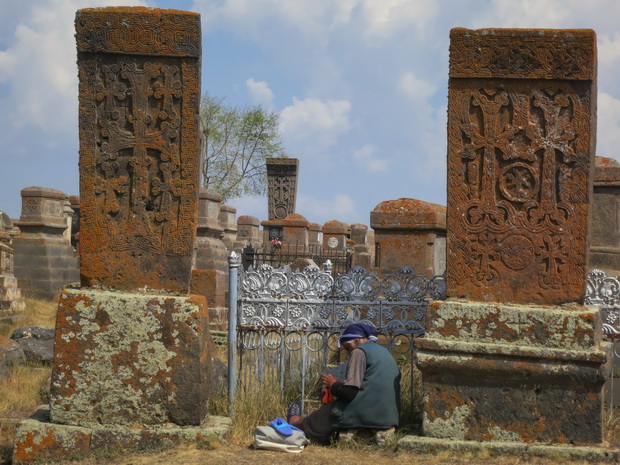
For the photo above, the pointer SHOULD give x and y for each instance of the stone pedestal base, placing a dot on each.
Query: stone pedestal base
(526, 452)
(37, 439)
(44, 264)
(212, 284)
(130, 359)
(499, 372)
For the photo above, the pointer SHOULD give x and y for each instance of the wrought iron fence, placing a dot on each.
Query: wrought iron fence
(604, 291)
(284, 324)
(287, 254)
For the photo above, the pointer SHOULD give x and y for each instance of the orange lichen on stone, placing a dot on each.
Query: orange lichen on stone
(408, 214)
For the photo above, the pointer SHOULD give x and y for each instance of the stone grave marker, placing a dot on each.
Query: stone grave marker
(139, 147)
(282, 176)
(132, 360)
(512, 355)
(521, 138)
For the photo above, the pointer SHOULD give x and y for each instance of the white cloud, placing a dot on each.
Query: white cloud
(367, 157)
(260, 92)
(311, 118)
(39, 65)
(386, 17)
(608, 137)
(341, 207)
(250, 205)
(416, 89)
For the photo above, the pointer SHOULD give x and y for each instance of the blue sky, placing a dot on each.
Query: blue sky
(360, 85)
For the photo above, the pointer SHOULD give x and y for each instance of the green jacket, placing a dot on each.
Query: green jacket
(377, 403)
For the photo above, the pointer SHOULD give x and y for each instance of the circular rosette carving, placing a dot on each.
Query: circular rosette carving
(517, 252)
(518, 182)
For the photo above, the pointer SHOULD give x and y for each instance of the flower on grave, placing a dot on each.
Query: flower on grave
(276, 244)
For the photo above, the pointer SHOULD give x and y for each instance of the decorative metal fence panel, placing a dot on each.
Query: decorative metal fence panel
(604, 291)
(288, 322)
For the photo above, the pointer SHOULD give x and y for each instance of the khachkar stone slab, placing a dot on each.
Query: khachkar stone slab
(130, 359)
(281, 187)
(139, 94)
(521, 138)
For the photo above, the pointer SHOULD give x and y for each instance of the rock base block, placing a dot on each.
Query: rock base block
(526, 452)
(130, 359)
(500, 372)
(37, 439)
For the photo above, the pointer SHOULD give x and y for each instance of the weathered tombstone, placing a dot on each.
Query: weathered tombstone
(292, 232)
(315, 235)
(139, 147)
(228, 223)
(248, 233)
(335, 235)
(210, 273)
(211, 253)
(410, 233)
(44, 260)
(605, 238)
(11, 301)
(281, 187)
(361, 250)
(131, 363)
(512, 355)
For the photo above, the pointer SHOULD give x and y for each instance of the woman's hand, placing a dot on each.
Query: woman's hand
(328, 380)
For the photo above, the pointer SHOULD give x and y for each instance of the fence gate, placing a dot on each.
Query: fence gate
(284, 325)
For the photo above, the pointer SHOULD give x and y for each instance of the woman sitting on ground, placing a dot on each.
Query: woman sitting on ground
(369, 397)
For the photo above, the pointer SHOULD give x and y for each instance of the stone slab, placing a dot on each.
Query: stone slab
(521, 145)
(37, 439)
(282, 175)
(505, 372)
(212, 285)
(130, 359)
(139, 96)
(527, 452)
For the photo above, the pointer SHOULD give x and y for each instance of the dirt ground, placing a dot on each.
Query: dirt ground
(312, 455)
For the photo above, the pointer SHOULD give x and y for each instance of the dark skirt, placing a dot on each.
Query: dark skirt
(317, 425)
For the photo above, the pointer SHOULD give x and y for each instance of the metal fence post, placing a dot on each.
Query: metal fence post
(234, 261)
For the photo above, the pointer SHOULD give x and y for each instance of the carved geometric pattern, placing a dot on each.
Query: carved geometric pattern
(519, 153)
(494, 53)
(138, 168)
(281, 187)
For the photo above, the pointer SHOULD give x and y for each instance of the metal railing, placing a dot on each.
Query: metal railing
(284, 324)
(604, 292)
(287, 254)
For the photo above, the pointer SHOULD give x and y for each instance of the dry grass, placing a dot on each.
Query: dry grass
(21, 393)
(37, 312)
